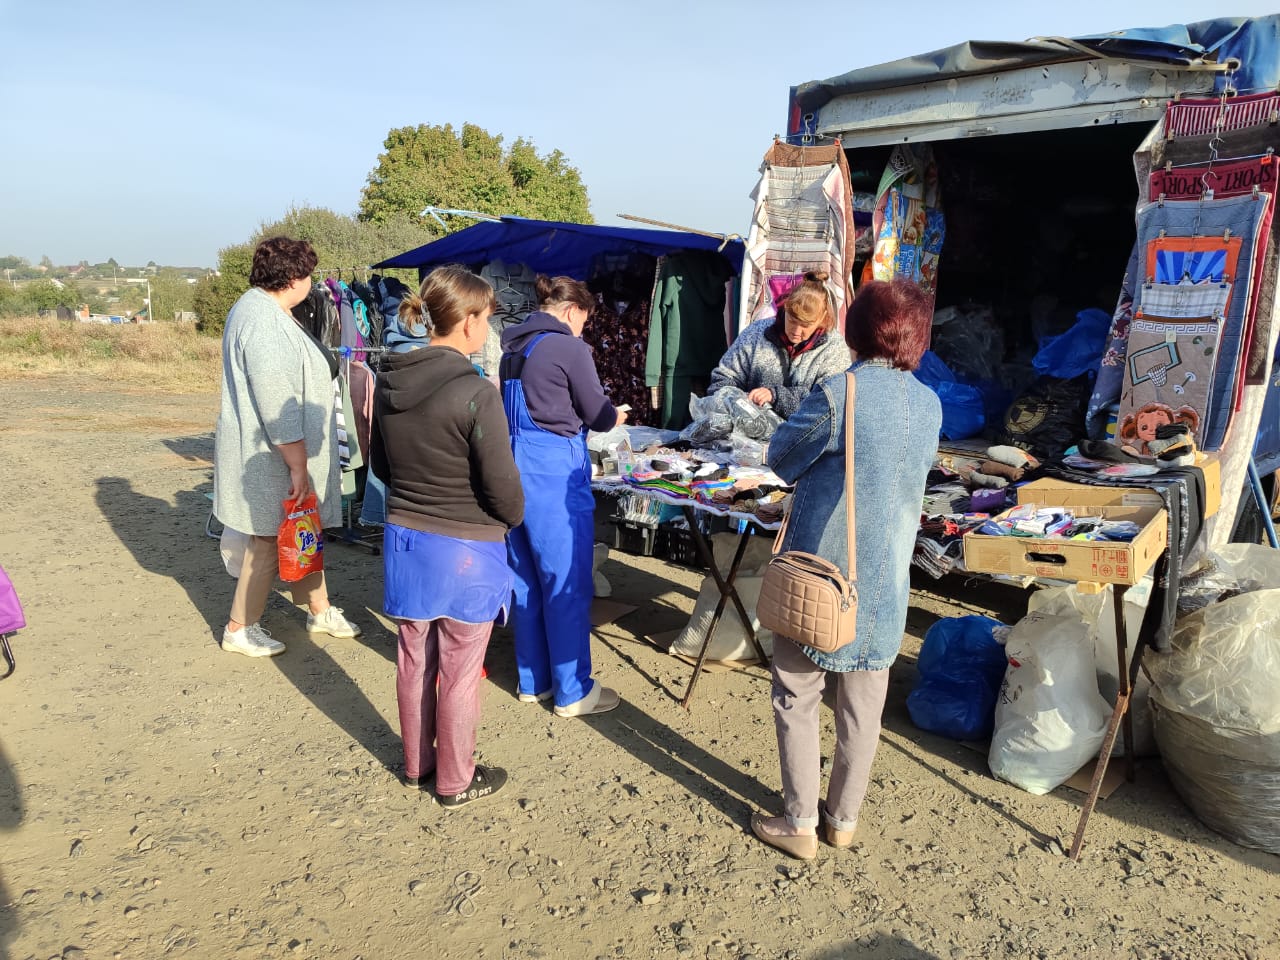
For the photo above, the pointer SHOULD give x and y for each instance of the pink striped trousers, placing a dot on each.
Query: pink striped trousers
(438, 724)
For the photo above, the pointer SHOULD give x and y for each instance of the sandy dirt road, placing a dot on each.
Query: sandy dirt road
(161, 798)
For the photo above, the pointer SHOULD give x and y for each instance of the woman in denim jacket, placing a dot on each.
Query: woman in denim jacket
(895, 440)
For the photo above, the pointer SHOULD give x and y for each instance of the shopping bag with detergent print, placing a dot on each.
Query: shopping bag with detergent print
(300, 543)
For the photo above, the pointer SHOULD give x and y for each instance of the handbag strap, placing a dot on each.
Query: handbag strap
(850, 383)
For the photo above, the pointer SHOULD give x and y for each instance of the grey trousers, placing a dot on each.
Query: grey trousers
(798, 684)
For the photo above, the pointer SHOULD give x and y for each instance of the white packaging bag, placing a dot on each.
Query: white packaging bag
(233, 545)
(601, 586)
(1097, 612)
(730, 641)
(1050, 718)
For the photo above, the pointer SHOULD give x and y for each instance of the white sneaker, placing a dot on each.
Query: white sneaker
(332, 622)
(252, 641)
(542, 697)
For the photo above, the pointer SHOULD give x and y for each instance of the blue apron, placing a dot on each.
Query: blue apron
(550, 553)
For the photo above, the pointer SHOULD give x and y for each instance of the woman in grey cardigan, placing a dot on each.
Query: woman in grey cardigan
(778, 360)
(896, 423)
(275, 440)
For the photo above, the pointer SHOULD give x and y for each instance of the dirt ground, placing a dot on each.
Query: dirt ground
(159, 797)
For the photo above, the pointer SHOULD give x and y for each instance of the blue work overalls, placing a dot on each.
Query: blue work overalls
(550, 553)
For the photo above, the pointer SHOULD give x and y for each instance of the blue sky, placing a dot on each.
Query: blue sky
(163, 131)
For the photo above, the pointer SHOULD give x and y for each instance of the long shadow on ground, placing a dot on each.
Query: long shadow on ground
(159, 535)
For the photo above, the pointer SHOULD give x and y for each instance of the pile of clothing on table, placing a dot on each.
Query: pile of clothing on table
(678, 471)
(963, 491)
(729, 487)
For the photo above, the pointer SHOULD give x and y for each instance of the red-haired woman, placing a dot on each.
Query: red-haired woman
(896, 426)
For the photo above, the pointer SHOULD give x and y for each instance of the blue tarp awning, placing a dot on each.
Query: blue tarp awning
(553, 248)
(1253, 41)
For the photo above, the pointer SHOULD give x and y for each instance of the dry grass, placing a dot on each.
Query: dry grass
(170, 357)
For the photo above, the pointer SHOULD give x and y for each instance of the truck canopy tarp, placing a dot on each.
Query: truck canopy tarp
(1255, 42)
(554, 248)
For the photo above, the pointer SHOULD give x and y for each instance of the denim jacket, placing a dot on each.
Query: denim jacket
(896, 425)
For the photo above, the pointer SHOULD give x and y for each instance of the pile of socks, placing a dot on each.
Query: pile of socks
(1004, 465)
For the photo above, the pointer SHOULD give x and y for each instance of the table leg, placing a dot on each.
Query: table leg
(1120, 716)
(1125, 686)
(727, 592)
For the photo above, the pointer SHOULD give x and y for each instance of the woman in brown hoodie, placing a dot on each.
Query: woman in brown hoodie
(439, 443)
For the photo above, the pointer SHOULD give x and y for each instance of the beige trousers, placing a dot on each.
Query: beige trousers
(798, 684)
(258, 575)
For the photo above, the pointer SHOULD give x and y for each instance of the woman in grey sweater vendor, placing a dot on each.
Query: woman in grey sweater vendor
(777, 360)
(275, 440)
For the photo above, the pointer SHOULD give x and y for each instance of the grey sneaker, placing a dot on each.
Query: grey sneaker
(332, 622)
(252, 641)
(601, 699)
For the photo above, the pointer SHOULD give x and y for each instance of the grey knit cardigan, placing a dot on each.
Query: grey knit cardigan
(276, 389)
(753, 361)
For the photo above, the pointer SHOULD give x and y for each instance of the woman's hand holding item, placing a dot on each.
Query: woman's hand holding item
(622, 414)
(295, 458)
(299, 484)
(761, 396)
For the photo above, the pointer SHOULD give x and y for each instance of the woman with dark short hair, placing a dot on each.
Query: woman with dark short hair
(896, 426)
(552, 396)
(275, 440)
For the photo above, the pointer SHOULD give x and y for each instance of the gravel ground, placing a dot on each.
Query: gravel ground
(159, 797)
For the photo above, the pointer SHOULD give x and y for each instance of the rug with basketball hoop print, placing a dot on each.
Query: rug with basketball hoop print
(1207, 241)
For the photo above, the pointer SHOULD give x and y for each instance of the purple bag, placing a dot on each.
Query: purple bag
(11, 620)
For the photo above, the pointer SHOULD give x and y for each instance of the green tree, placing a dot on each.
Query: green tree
(217, 293)
(470, 169)
(170, 293)
(341, 242)
(46, 295)
(13, 263)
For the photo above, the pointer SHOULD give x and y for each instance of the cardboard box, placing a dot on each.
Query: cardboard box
(1056, 558)
(1051, 492)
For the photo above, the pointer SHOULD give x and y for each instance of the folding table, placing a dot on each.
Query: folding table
(724, 583)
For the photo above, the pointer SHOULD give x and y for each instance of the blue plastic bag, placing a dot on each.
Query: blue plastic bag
(1077, 351)
(961, 668)
(963, 406)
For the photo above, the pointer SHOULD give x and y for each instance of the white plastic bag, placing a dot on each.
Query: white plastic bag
(730, 641)
(233, 545)
(1097, 612)
(1234, 569)
(1217, 713)
(1050, 718)
(601, 585)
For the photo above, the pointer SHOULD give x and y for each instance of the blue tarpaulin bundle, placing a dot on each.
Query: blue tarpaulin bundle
(961, 666)
(555, 248)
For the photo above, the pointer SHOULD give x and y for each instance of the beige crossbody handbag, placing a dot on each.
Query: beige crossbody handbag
(804, 597)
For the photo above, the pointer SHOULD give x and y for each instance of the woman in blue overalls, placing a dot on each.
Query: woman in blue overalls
(552, 396)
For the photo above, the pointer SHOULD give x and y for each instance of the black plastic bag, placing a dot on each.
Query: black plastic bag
(1048, 417)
